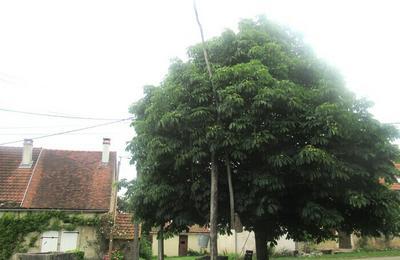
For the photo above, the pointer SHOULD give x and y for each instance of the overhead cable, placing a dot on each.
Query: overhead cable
(70, 131)
(55, 115)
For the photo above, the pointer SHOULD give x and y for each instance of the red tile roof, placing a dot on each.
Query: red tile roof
(395, 186)
(124, 228)
(198, 229)
(61, 179)
(192, 229)
(13, 179)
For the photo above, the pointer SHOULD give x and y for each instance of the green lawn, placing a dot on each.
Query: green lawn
(179, 258)
(352, 255)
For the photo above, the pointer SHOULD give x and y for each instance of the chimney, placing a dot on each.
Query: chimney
(27, 154)
(106, 151)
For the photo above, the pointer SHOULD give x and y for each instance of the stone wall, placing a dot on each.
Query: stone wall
(376, 242)
(42, 256)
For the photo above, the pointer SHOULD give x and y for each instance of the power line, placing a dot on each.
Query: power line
(70, 131)
(55, 115)
(33, 134)
(37, 127)
(32, 127)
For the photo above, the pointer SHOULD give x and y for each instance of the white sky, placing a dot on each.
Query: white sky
(92, 58)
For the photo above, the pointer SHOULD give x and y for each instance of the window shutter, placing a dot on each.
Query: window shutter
(49, 241)
(69, 240)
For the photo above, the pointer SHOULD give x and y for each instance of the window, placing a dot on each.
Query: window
(59, 241)
(69, 240)
(49, 241)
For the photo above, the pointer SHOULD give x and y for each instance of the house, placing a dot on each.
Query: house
(197, 239)
(67, 193)
(179, 245)
(123, 234)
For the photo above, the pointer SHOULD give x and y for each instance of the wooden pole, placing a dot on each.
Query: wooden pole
(214, 168)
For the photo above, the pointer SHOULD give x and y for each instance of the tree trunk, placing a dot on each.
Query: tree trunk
(261, 245)
(231, 195)
(214, 208)
(161, 244)
(136, 241)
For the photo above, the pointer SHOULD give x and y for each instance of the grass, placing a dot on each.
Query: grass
(179, 258)
(351, 255)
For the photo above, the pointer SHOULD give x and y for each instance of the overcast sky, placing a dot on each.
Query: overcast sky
(92, 58)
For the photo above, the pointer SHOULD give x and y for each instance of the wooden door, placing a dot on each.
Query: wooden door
(344, 240)
(183, 245)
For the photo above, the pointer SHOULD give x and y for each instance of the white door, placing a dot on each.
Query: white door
(49, 241)
(69, 240)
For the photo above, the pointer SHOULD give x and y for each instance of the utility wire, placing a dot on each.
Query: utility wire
(55, 115)
(70, 131)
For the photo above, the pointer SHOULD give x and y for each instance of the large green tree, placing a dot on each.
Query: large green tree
(306, 156)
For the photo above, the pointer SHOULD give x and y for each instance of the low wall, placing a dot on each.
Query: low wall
(45, 256)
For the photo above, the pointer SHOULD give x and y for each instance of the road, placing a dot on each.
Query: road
(381, 258)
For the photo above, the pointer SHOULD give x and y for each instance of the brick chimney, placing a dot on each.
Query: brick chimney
(105, 157)
(27, 154)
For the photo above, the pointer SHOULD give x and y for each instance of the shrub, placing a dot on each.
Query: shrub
(145, 248)
(117, 255)
(79, 255)
(191, 252)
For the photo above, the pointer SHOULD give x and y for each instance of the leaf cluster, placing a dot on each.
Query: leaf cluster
(306, 154)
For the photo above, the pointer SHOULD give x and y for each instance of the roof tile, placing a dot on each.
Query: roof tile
(13, 179)
(58, 179)
(124, 228)
(71, 180)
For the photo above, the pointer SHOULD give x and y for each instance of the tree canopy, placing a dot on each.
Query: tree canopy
(305, 153)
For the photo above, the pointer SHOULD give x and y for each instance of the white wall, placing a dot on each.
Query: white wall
(245, 241)
(226, 244)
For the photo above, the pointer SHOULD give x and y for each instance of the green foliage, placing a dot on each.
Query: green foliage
(305, 153)
(117, 255)
(191, 252)
(15, 226)
(145, 250)
(33, 240)
(79, 255)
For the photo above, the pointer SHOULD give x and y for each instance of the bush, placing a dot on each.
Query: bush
(79, 255)
(145, 248)
(117, 255)
(191, 252)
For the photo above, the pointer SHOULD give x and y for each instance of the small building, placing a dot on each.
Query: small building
(123, 234)
(179, 245)
(74, 188)
(197, 239)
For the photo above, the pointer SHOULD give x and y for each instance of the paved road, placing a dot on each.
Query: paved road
(381, 258)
